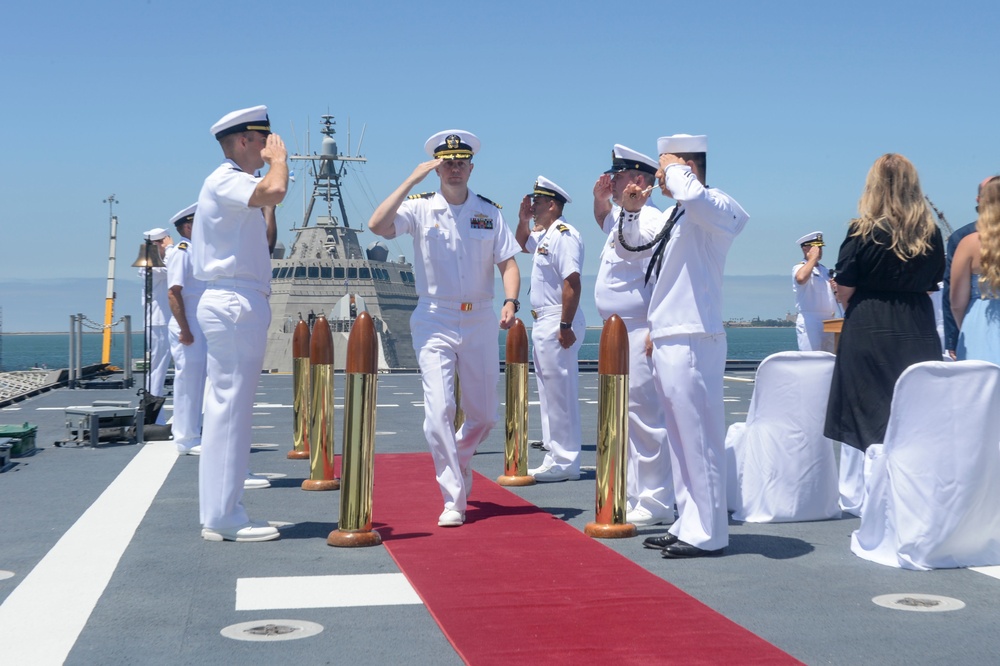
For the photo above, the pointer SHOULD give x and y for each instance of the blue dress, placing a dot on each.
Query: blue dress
(979, 338)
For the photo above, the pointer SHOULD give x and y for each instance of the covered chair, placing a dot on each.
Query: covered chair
(934, 486)
(781, 467)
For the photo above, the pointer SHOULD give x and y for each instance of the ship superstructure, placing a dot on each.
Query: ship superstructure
(328, 272)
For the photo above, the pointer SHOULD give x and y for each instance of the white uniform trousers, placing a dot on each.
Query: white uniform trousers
(557, 373)
(159, 363)
(809, 332)
(689, 379)
(449, 341)
(235, 328)
(852, 479)
(189, 383)
(649, 483)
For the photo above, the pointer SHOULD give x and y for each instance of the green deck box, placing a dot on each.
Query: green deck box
(22, 436)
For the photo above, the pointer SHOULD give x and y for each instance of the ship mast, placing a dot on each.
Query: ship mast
(109, 300)
(326, 169)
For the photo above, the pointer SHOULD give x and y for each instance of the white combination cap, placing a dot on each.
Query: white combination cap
(546, 188)
(453, 144)
(682, 143)
(813, 238)
(186, 215)
(155, 234)
(624, 158)
(255, 118)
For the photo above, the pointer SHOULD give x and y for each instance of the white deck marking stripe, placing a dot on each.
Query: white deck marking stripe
(44, 615)
(993, 571)
(292, 592)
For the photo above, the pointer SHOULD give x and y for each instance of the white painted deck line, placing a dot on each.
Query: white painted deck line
(44, 615)
(993, 571)
(292, 592)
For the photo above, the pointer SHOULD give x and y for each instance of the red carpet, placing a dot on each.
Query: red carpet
(517, 585)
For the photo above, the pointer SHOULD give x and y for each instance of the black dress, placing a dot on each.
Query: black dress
(888, 326)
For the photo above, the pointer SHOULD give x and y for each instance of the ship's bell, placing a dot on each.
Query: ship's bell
(149, 256)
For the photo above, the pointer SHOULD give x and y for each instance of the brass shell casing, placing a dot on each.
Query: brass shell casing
(301, 412)
(322, 475)
(515, 461)
(358, 463)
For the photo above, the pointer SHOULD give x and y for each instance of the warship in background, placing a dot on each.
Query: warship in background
(327, 272)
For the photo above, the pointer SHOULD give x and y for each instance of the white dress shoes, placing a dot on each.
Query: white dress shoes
(643, 518)
(189, 451)
(252, 531)
(451, 518)
(255, 481)
(551, 474)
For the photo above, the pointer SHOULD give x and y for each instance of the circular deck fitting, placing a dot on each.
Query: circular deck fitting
(271, 630)
(923, 603)
(4, 575)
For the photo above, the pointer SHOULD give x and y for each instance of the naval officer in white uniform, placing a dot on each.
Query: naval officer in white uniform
(230, 253)
(458, 237)
(559, 325)
(688, 247)
(187, 344)
(159, 317)
(622, 289)
(814, 297)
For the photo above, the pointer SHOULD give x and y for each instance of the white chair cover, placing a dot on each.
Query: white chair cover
(934, 486)
(781, 467)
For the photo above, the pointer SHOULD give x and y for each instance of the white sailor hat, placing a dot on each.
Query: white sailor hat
(546, 188)
(626, 159)
(255, 118)
(186, 215)
(155, 234)
(682, 143)
(813, 238)
(453, 144)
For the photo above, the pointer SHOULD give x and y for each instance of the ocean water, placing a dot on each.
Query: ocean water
(51, 350)
(752, 344)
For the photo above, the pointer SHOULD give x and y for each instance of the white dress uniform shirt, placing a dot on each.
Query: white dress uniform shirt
(689, 354)
(815, 302)
(229, 252)
(189, 360)
(621, 289)
(557, 254)
(454, 327)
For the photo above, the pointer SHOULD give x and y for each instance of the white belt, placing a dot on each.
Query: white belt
(546, 311)
(467, 306)
(236, 284)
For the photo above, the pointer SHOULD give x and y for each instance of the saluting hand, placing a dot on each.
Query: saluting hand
(524, 212)
(274, 150)
(423, 169)
(603, 188)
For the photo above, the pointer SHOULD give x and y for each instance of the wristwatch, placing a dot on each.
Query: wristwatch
(565, 324)
(517, 303)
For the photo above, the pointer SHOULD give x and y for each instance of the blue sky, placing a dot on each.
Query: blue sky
(797, 98)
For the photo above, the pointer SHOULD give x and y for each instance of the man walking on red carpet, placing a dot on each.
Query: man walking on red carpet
(458, 236)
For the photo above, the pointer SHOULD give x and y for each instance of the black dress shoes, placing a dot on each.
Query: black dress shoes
(682, 549)
(539, 445)
(660, 542)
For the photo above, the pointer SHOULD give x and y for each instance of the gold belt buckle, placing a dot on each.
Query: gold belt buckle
(466, 307)
(534, 315)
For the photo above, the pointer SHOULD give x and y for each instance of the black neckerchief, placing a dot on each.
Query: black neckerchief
(656, 261)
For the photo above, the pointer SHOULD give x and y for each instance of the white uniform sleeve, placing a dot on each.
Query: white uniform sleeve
(713, 209)
(506, 245)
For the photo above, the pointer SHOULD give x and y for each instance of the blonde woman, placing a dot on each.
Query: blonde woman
(892, 257)
(975, 282)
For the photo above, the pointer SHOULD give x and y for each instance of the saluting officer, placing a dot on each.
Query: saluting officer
(559, 326)
(159, 317)
(187, 344)
(233, 227)
(458, 237)
(622, 289)
(814, 298)
(688, 247)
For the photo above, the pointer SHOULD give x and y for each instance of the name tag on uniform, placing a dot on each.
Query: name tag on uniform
(481, 221)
